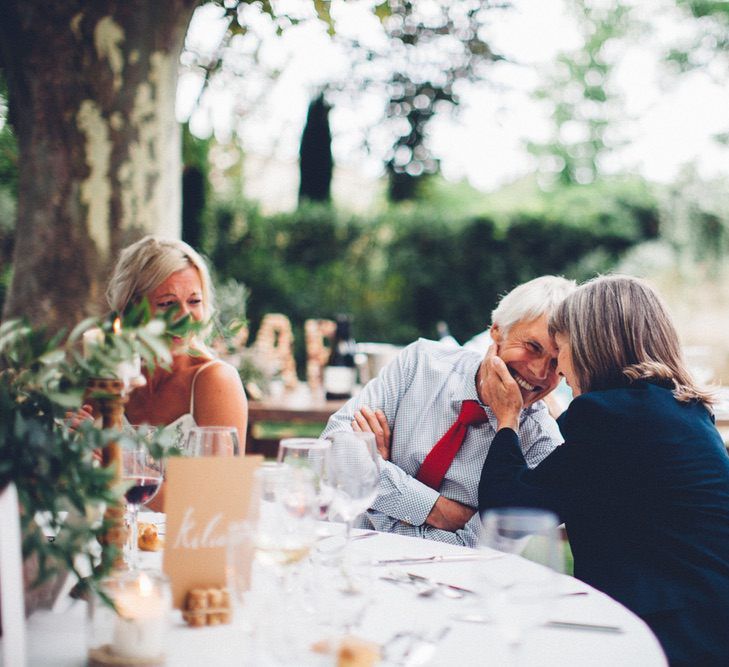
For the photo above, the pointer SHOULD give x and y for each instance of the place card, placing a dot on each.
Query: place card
(203, 496)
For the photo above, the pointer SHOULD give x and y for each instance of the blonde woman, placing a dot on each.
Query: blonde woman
(198, 389)
(642, 480)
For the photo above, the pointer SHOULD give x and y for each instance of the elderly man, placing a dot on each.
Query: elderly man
(429, 411)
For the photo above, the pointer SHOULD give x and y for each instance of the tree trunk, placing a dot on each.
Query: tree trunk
(91, 91)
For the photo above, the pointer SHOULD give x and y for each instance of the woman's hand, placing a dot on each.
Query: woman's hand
(374, 421)
(505, 398)
(75, 418)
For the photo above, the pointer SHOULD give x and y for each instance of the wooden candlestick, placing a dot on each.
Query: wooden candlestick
(107, 396)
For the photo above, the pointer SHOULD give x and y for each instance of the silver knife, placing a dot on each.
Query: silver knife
(448, 558)
(575, 625)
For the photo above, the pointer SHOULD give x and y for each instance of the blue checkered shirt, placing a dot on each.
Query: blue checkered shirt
(421, 392)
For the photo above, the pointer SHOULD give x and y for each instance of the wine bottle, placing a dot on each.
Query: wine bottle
(340, 373)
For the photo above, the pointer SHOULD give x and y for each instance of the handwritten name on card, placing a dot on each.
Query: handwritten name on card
(203, 497)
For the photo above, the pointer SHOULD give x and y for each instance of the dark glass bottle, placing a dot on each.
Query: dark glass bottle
(340, 373)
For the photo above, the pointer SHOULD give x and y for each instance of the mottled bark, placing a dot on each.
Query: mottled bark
(91, 89)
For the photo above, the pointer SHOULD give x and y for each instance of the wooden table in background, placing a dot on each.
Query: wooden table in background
(284, 410)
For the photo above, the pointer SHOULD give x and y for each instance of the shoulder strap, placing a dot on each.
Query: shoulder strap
(194, 379)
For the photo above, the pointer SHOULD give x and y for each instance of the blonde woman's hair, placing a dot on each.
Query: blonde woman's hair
(531, 300)
(146, 264)
(620, 331)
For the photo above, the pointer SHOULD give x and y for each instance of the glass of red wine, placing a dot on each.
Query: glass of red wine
(143, 476)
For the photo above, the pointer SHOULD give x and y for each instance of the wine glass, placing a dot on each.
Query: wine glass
(285, 530)
(280, 537)
(212, 441)
(310, 454)
(142, 474)
(518, 594)
(353, 474)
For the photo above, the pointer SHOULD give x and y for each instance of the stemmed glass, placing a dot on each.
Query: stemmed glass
(518, 597)
(142, 474)
(285, 530)
(280, 538)
(353, 474)
(212, 441)
(310, 454)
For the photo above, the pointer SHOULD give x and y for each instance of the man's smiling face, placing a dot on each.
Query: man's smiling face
(530, 355)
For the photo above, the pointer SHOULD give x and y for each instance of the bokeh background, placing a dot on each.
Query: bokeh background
(409, 162)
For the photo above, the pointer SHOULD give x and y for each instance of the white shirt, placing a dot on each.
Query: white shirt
(421, 392)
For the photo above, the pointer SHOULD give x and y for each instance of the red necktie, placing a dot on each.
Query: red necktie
(439, 459)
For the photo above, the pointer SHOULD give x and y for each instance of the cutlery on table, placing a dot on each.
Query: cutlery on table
(423, 589)
(412, 649)
(450, 590)
(563, 625)
(448, 558)
(360, 536)
(575, 625)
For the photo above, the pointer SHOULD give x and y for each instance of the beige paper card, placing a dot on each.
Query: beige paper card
(202, 497)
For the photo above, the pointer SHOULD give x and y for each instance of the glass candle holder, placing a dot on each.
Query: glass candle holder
(135, 629)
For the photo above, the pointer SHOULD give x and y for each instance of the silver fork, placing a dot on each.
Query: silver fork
(422, 587)
(417, 648)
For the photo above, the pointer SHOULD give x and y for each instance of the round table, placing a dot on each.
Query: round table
(57, 639)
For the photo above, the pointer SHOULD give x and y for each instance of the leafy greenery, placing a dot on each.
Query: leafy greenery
(580, 95)
(52, 466)
(8, 192)
(400, 272)
(231, 323)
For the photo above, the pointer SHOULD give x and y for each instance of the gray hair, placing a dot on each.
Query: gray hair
(531, 300)
(619, 331)
(146, 264)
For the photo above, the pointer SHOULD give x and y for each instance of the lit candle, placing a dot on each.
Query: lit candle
(92, 338)
(140, 628)
(129, 372)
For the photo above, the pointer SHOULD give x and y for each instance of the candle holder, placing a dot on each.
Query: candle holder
(108, 396)
(132, 633)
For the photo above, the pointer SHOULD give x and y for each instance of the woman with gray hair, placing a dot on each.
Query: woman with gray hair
(198, 389)
(642, 480)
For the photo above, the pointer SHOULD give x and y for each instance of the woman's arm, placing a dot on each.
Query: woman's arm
(507, 481)
(220, 400)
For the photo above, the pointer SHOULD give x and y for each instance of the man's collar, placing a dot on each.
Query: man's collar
(466, 391)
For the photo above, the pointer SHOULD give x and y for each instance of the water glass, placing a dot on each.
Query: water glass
(212, 441)
(353, 474)
(240, 552)
(286, 526)
(310, 454)
(518, 593)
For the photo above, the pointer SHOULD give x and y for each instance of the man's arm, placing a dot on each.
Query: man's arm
(400, 497)
(467, 535)
(449, 514)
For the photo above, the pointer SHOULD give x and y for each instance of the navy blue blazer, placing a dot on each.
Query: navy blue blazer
(642, 484)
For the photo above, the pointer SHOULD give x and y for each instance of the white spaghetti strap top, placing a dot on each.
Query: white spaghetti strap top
(194, 380)
(184, 423)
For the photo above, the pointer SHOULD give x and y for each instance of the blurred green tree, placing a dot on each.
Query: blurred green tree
(91, 94)
(195, 187)
(8, 191)
(431, 49)
(315, 154)
(707, 48)
(584, 105)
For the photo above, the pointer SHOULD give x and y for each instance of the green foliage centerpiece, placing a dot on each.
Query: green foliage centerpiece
(58, 478)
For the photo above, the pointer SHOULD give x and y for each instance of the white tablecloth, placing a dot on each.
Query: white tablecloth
(58, 639)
